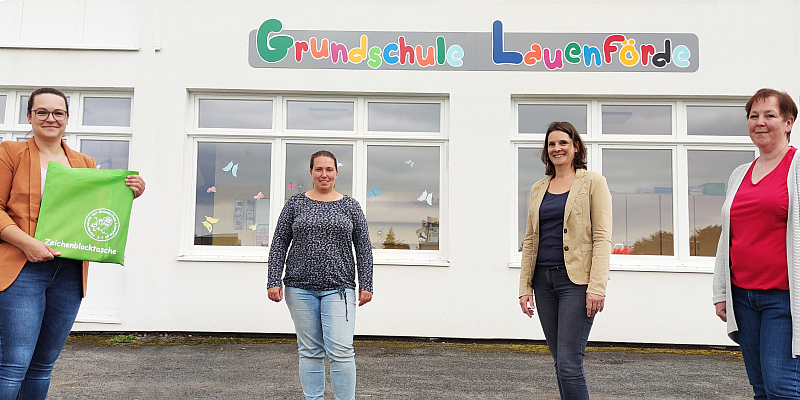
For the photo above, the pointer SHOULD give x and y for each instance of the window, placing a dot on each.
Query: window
(3, 109)
(107, 111)
(252, 148)
(235, 114)
(230, 208)
(667, 164)
(404, 193)
(640, 181)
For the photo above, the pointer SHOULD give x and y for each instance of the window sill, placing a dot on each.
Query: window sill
(693, 267)
(69, 46)
(223, 258)
(412, 263)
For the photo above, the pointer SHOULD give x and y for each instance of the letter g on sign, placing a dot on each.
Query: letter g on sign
(275, 48)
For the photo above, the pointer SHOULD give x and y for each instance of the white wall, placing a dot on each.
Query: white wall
(204, 46)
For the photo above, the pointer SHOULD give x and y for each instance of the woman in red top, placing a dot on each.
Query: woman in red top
(754, 267)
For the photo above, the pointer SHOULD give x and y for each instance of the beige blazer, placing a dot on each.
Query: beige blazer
(587, 233)
(20, 198)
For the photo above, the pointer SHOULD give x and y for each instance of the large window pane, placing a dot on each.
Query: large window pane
(298, 176)
(404, 117)
(107, 154)
(535, 118)
(107, 111)
(637, 120)
(641, 190)
(23, 109)
(319, 115)
(235, 114)
(709, 171)
(233, 186)
(531, 169)
(2, 109)
(716, 121)
(403, 194)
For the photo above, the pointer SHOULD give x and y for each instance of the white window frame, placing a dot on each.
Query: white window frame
(679, 143)
(279, 136)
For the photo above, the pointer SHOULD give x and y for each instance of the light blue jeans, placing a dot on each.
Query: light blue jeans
(764, 318)
(325, 323)
(36, 315)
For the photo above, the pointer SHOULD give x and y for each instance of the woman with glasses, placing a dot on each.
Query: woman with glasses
(314, 240)
(40, 292)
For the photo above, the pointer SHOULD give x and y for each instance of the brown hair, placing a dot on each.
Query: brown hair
(324, 153)
(49, 91)
(786, 105)
(579, 162)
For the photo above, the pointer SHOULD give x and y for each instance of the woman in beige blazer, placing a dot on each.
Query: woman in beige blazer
(565, 254)
(40, 292)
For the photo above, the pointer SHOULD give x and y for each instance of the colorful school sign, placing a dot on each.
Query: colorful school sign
(271, 46)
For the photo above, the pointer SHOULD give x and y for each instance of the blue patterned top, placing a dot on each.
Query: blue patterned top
(322, 235)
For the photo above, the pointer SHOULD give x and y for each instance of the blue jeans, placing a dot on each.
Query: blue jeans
(562, 313)
(36, 315)
(764, 320)
(323, 325)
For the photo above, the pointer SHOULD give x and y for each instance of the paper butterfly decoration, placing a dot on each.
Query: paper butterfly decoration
(290, 185)
(252, 227)
(207, 223)
(259, 196)
(410, 163)
(426, 197)
(338, 165)
(212, 189)
(373, 192)
(300, 187)
(231, 167)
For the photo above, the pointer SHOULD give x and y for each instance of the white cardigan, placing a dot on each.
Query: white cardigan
(722, 270)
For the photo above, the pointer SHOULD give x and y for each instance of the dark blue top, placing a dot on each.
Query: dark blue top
(315, 240)
(551, 227)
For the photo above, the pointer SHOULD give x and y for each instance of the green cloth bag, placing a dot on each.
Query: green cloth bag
(85, 213)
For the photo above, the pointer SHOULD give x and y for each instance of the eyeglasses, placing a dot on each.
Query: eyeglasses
(42, 114)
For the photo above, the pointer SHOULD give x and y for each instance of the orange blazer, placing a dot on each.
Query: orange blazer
(20, 198)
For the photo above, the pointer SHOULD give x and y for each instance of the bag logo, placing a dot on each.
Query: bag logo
(101, 224)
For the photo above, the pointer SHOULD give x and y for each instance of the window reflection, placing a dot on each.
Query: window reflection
(637, 120)
(107, 154)
(530, 170)
(404, 117)
(2, 109)
(232, 192)
(298, 176)
(535, 118)
(319, 115)
(709, 171)
(641, 190)
(235, 114)
(403, 194)
(107, 111)
(716, 121)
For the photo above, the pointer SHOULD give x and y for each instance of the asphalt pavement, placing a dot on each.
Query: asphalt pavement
(184, 367)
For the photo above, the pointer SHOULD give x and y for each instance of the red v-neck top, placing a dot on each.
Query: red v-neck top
(758, 230)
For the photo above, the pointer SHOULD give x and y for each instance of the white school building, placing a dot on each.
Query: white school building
(436, 111)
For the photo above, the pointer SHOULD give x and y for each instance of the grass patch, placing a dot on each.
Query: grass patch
(123, 339)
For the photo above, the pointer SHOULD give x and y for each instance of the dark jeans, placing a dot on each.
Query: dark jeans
(764, 320)
(36, 315)
(562, 313)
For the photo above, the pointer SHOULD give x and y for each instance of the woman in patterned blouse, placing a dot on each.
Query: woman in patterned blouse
(314, 240)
